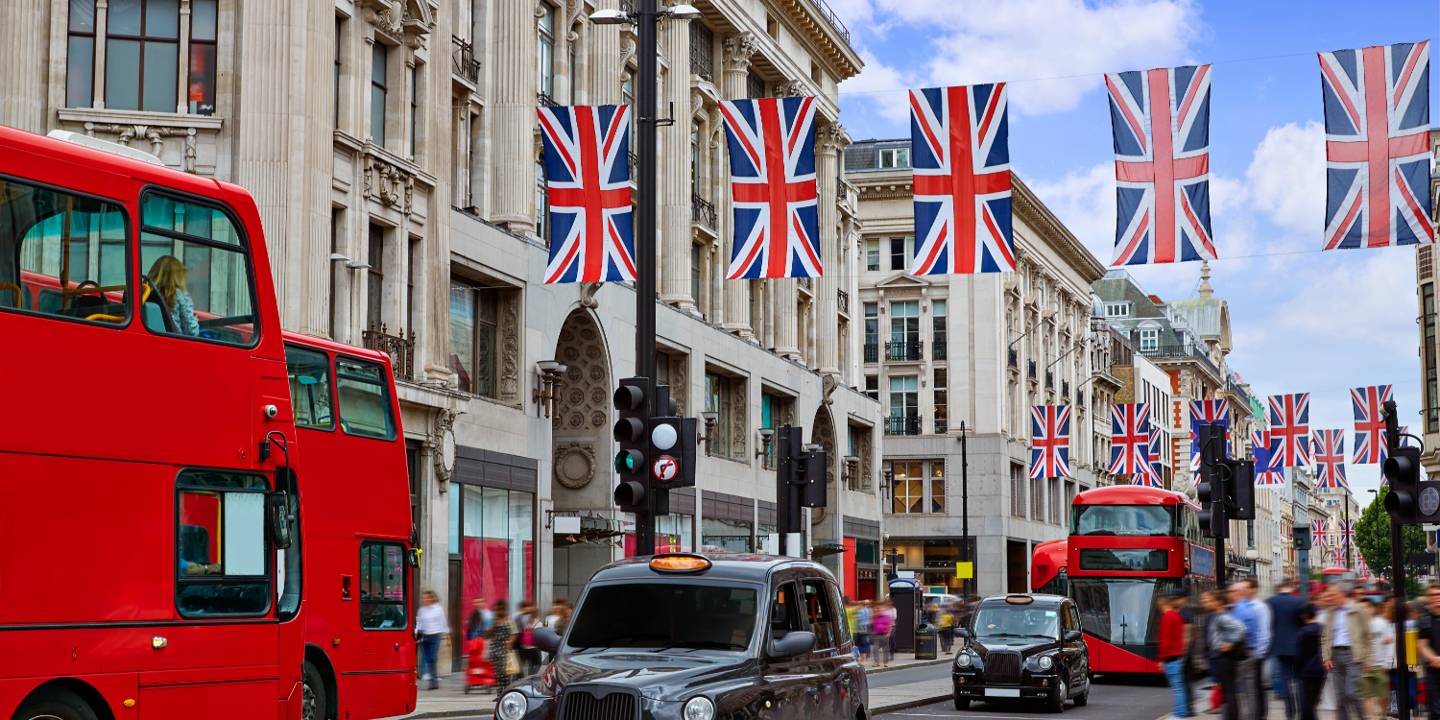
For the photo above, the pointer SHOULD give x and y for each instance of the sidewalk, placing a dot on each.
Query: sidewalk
(451, 701)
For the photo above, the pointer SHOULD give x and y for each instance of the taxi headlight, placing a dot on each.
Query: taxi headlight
(699, 708)
(963, 660)
(512, 706)
(1045, 662)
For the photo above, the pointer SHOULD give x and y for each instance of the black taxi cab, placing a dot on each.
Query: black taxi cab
(698, 637)
(1022, 647)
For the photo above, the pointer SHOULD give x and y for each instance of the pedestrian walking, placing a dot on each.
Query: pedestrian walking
(880, 625)
(479, 619)
(1309, 661)
(1429, 646)
(1172, 653)
(499, 648)
(526, 621)
(1226, 640)
(1345, 643)
(431, 629)
(946, 623)
(1375, 682)
(1285, 623)
(1247, 675)
(862, 630)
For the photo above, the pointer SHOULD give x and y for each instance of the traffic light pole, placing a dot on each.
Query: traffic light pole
(647, 22)
(1397, 571)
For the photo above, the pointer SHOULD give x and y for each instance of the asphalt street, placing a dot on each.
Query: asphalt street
(1112, 698)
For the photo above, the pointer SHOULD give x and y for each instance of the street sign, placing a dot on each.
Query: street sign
(965, 570)
(666, 468)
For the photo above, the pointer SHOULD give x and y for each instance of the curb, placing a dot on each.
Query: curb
(909, 665)
(908, 704)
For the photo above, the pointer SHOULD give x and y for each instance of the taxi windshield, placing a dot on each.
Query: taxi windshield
(1011, 622)
(662, 616)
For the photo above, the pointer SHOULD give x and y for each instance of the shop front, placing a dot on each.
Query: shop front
(934, 563)
(862, 559)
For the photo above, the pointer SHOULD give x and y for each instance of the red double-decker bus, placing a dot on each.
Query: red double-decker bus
(1128, 546)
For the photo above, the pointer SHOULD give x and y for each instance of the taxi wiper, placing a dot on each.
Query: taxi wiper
(701, 645)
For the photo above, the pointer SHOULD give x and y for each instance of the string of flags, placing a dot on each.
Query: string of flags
(1376, 104)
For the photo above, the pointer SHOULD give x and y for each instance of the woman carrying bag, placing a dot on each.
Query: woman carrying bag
(500, 639)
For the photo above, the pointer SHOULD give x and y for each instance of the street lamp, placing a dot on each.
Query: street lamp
(547, 394)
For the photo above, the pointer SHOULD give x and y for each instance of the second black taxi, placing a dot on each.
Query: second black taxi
(1022, 647)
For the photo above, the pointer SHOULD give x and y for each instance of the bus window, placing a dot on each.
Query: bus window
(197, 273)
(382, 586)
(221, 544)
(62, 255)
(364, 399)
(309, 387)
(1124, 520)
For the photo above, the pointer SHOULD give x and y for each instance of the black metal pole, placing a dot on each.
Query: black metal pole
(1397, 578)
(965, 507)
(1349, 535)
(647, 20)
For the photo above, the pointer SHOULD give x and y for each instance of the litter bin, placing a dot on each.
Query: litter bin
(927, 642)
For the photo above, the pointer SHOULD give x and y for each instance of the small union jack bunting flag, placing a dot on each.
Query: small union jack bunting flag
(1130, 436)
(1050, 441)
(1267, 474)
(1385, 449)
(772, 182)
(1347, 532)
(1329, 448)
(587, 175)
(1317, 530)
(1377, 146)
(1154, 450)
(1361, 568)
(1204, 412)
(1369, 423)
(1290, 424)
(960, 155)
(1161, 121)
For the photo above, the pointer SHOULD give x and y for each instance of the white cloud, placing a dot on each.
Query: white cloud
(1085, 201)
(880, 81)
(1287, 179)
(1367, 303)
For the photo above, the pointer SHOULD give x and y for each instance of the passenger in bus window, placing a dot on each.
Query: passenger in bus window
(168, 274)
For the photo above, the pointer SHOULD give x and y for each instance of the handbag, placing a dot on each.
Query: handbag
(512, 663)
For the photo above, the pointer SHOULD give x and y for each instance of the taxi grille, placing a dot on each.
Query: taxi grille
(600, 704)
(1002, 668)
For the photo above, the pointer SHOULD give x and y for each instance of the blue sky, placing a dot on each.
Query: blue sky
(1304, 321)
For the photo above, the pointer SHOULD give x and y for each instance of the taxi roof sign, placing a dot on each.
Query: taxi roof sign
(1019, 599)
(679, 563)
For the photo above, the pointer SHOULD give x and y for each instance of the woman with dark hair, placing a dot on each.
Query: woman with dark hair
(1226, 640)
(1309, 664)
(497, 648)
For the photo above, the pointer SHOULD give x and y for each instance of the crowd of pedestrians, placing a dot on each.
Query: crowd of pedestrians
(504, 642)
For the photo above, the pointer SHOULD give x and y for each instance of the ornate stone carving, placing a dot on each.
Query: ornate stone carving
(584, 388)
(627, 52)
(738, 49)
(574, 464)
(510, 347)
(792, 88)
(822, 433)
(680, 382)
(697, 101)
(828, 384)
(384, 16)
(866, 469)
(128, 133)
(391, 186)
(739, 429)
(831, 138)
(442, 441)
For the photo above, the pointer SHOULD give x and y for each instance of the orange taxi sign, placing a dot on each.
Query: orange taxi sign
(679, 563)
(1019, 599)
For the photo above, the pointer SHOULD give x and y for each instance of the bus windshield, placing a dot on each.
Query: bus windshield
(668, 615)
(1121, 611)
(1131, 520)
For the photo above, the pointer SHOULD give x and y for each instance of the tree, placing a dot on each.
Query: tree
(1372, 540)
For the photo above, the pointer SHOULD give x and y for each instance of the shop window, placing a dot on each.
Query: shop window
(309, 372)
(63, 255)
(907, 487)
(364, 394)
(222, 550)
(198, 277)
(382, 586)
(726, 535)
(498, 545)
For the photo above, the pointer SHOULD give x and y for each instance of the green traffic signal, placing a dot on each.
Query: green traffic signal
(628, 461)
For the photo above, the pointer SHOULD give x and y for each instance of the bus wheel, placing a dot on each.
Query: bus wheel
(56, 704)
(314, 694)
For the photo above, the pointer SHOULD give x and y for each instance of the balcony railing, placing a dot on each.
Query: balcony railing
(1180, 351)
(872, 352)
(905, 351)
(1065, 389)
(1030, 369)
(544, 100)
(463, 60)
(842, 301)
(400, 349)
(702, 211)
(938, 349)
(1049, 379)
(1014, 358)
(831, 18)
(902, 425)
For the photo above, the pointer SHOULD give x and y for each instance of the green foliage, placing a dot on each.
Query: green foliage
(1372, 539)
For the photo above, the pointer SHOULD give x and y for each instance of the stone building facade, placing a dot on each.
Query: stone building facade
(393, 150)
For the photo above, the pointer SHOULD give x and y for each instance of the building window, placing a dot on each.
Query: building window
(542, 201)
(895, 158)
(1017, 491)
(1149, 340)
(546, 60)
(1117, 310)
(1054, 518)
(904, 400)
(942, 422)
(473, 335)
(201, 86)
(378, 56)
(80, 79)
(754, 86)
(938, 330)
(1432, 393)
(937, 486)
(339, 33)
(722, 393)
(695, 273)
(1037, 499)
(335, 267)
(414, 106)
(694, 159)
(142, 46)
(897, 253)
(375, 277)
(907, 487)
(872, 255)
(872, 333)
(872, 387)
(905, 322)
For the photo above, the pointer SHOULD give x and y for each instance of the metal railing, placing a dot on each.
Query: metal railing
(842, 301)
(1065, 389)
(1030, 369)
(400, 349)
(905, 350)
(1179, 351)
(463, 60)
(833, 19)
(902, 425)
(1014, 358)
(1049, 379)
(938, 349)
(872, 352)
(544, 100)
(702, 211)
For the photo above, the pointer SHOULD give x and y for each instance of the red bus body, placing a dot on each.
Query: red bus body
(1128, 546)
(1047, 572)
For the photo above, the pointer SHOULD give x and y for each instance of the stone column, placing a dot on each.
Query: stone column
(673, 212)
(738, 49)
(23, 61)
(512, 112)
(829, 141)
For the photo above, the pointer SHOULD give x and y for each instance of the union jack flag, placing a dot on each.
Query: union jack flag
(1377, 148)
(772, 180)
(1050, 441)
(1161, 121)
(1347, 532)
(1317, 529)
(960, 153)
(1369, 422)
(1267, 473)
(1290, 424)
(1130, 434)
(1154, 478)
(1361, 568)
(1330, 459)
(587, 175)
(1385, 450)
(1204, 412)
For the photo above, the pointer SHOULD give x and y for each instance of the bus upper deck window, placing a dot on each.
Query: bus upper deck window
(62, 255)
(197, 280)
(310, 387)
(364, 396)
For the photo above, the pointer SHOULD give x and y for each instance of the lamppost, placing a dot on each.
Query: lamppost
(966, 554)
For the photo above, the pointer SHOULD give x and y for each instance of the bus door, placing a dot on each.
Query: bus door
(379, 676)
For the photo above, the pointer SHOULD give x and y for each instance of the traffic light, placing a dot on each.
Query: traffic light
(672, 452)
(1302, 537)
(632, 412)
(1240, 489)
(1211, 489)
(1402, 472)
(812, 475)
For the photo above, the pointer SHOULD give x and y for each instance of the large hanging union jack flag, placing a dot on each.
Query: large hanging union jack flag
(1267, 472)
(1161, 121)
(960, 154)
(1369, 422)
(1203, 412)
(1377, 147)
(1154, 478)
(1050, 441)
(587, 174)
(772, 180)
(1330, 459)
(1290, 424)
(1130, 435)
(1317, 531)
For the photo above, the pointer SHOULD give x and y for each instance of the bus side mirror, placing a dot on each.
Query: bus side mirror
(414, 557)
(280, 519)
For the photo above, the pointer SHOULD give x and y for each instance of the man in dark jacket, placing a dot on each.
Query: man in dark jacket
(1285, 625)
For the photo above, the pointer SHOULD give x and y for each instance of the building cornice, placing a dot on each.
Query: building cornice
(1029, 208)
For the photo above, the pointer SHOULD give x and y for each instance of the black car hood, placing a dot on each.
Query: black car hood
(654, 675)
(1025, 647)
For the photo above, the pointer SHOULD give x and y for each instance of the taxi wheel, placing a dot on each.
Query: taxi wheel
(962, 703)
(1083, 699)
(1057, 703)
